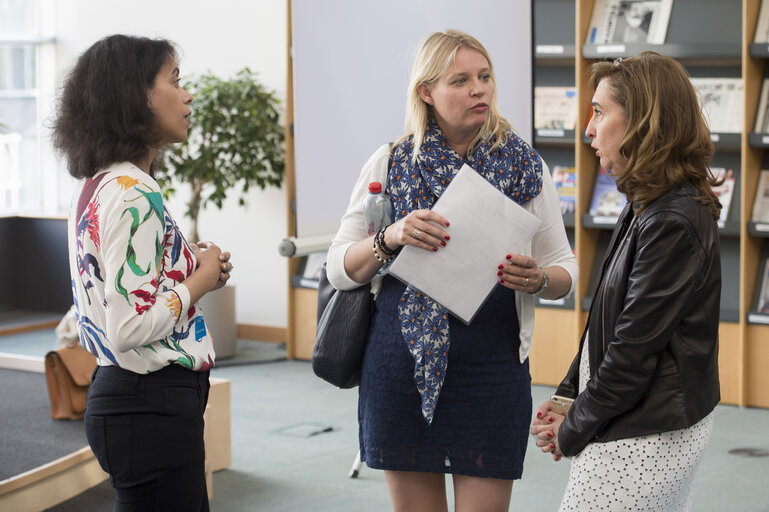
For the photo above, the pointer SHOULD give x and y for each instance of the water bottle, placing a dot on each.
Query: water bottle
(377, 210)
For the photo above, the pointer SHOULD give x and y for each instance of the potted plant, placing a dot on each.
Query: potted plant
(236, 142)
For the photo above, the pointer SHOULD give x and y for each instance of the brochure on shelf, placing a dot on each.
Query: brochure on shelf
(607, 200)
(555, 108)
(565, 179)
(761, 202)
(762, 24)
(725, 191)
(629, 21)
(721, 103)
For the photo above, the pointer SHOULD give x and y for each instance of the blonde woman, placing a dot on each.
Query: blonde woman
(437, 396)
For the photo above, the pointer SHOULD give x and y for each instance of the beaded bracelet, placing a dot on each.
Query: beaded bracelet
(376, 254)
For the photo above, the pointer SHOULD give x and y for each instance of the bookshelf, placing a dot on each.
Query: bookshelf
(719, 44)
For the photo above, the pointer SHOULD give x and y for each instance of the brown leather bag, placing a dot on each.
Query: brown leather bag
(68, 373)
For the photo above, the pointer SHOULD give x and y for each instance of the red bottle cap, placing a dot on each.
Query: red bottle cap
(375, 187)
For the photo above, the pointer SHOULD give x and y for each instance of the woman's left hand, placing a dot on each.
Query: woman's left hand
(545, 427)
(520, 273)
(224, 265)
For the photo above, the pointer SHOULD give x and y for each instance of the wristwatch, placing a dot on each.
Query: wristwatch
(545, 281)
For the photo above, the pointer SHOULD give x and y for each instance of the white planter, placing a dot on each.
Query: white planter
(219, 312)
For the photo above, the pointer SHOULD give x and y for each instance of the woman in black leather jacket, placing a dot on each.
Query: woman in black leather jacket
(645, 381)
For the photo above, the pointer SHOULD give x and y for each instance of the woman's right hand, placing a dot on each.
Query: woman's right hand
(208, 271)
(420, 228)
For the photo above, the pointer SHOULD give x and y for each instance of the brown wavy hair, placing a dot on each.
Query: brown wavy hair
(667, 142)
(103, 115)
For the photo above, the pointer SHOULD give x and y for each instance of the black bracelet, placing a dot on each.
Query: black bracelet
(382, 245)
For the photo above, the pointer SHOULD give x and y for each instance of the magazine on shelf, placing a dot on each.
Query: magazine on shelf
(565, 179)
(762, 25)
(721, 103)
(724, 191)
(629, 21)
(607, 200)
(761, 203)
(555, 108)
(762, 116)
(763, 297)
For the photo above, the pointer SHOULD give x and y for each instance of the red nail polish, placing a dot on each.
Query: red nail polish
(499, 273)
(539, 415)
(447, 223)
(448, 237)
(508, 257)
(550, 419)
(552, 446)
(501, 281)
(549, 434)
(443, 244)
(500, 266)
(435, 249)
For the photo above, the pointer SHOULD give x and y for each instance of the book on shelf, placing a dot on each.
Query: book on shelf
(721, 102)
(761, 202)
(629, 21)
(555, 108)
(762, 116)
(607, 200)
(565, 179)
(763, 294)
(725, 190)
(762, 24)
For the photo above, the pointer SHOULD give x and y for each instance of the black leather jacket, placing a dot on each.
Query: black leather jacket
(653, 327)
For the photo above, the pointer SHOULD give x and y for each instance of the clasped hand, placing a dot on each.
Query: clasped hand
(545, 427)
(213, 260)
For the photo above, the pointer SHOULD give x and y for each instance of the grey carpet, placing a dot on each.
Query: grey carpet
(31, 437)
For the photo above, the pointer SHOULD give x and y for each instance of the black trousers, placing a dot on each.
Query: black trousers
(147, 433)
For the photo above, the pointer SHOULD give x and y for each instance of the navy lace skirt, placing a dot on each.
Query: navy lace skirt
(482, 418)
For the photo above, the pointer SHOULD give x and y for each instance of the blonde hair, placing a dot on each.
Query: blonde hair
(434, 57)
(667, 142)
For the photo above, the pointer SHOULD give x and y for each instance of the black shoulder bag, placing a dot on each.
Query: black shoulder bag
(344, 318)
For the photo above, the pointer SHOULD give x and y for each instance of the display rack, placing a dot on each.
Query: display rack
(719, 44)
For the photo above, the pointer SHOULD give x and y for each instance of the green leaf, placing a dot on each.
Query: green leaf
(236, 141)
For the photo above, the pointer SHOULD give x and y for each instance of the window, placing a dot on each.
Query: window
(26, 67)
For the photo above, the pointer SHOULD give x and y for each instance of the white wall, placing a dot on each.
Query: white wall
(220, 36)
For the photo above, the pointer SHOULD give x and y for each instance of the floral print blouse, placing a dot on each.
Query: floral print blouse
(128, 259)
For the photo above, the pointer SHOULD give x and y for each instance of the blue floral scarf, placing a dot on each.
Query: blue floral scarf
(514, 167)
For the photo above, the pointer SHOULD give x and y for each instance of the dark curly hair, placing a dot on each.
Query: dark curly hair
(103, 114)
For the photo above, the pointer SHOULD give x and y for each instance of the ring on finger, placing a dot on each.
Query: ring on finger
(526, 284)
(417, 234)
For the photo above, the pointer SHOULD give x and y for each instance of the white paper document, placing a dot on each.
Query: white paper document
(485, 225)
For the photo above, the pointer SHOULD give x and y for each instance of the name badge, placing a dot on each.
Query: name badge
(200, 328)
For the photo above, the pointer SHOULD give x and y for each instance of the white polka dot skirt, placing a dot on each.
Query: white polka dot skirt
(653, 473)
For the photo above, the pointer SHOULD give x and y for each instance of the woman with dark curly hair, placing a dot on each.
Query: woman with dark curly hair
(136, 281)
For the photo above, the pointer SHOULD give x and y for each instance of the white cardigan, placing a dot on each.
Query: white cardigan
(549, 245)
